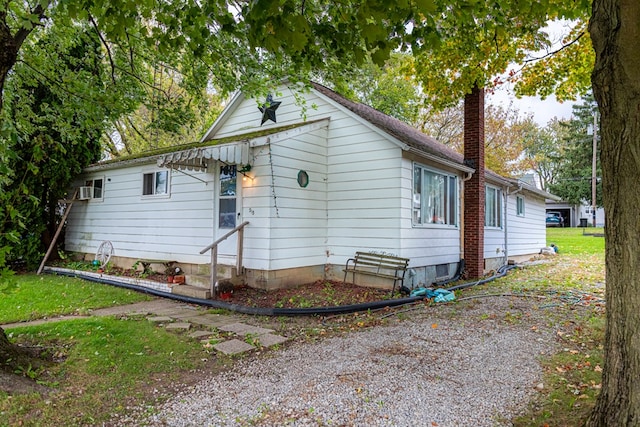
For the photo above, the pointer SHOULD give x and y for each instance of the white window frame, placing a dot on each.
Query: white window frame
(154, 173)
(444, 211)
(97, 192)
(520, 206)
(493, 214)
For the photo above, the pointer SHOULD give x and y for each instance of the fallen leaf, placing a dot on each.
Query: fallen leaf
(434, 325)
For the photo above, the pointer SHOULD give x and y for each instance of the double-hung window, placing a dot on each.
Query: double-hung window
(155, 183)
(435, 197)
(493, 207)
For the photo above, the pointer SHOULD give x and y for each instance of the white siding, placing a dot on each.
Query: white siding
(527, 234)
(287, 222)
(174, 227)
(493, 242)
(353, 201)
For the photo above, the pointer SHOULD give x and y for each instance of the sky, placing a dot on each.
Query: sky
(542, 110)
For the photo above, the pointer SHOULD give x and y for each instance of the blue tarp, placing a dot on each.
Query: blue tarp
(438, 295)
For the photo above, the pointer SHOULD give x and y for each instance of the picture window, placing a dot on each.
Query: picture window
(435, 197)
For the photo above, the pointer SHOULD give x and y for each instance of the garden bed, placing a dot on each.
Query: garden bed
(322, 293)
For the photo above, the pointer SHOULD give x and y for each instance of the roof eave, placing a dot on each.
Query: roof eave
(438, 159)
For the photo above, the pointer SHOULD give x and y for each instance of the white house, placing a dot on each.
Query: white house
(316, 182)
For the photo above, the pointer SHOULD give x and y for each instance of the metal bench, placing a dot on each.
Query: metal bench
(380, 265)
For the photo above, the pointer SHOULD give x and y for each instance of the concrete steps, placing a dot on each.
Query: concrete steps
(200, 280)
(191, 291)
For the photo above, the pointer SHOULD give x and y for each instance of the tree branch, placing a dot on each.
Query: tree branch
(140, 134)
(106, 46)
(22, 33)
(56, 83)
(560, 49)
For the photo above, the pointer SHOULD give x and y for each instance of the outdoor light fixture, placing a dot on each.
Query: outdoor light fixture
(243, 170)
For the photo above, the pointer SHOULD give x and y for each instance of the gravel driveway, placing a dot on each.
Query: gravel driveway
(475, 363)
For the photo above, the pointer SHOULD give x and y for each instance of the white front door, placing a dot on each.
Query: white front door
(228, 209)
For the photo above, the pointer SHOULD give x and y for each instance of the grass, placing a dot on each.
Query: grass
(35, 297)
(107, 365)
(98, 366)
(572, 241)
(572, 377)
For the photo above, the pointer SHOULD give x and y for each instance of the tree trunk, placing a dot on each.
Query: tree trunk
(5, 345)
(8, 55)
(11, 40)
(615, 31)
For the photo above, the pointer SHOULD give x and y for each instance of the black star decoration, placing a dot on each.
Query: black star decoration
(268, 109)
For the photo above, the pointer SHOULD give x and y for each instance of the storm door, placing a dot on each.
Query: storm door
(228, 211)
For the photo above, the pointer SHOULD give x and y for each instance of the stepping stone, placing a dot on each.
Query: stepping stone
(181, 314)
(243, 329)
(179, 326)
(268, 340)
(206, 320)
(233, 347)
(200, 334)
(159, 319)
(171, 311)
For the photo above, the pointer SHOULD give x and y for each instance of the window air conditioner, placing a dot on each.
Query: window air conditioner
(85, 193)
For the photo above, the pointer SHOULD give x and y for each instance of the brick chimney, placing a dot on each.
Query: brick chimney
(474, 191)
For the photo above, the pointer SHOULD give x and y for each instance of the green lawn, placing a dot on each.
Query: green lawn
(572, 376)
(96, 367)
(573, 241)
(36, 297)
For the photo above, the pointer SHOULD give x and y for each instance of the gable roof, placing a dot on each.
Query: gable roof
(418, 140)
(396, 128)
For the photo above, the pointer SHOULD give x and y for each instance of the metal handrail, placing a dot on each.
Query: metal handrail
(214, 253)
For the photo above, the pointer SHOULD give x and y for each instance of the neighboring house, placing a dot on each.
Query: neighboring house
(587, 214)
(576, 215)
(315, 187)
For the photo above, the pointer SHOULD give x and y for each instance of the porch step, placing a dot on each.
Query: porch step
(191, 291)
(200, 280)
